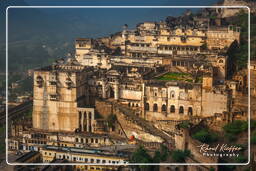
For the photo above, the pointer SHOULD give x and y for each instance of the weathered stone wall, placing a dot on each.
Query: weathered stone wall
(184, 141)
(214, 102)
(103, 108)
(132, 129)
(55, 102)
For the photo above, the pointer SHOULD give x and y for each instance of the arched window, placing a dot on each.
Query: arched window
(190, 111)
(39, 81)
(181, 110)
(155, 108)
(172, 109)
(147, 107)
(172, 94)
(163, 108)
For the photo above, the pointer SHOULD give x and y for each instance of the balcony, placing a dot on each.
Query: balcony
(147, 49)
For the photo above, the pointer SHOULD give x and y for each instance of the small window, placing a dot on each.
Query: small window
(155, 108)
(172, 109)
(147, 107)
(163, 108)
(181, 110)
(190, 111)
(172, 94)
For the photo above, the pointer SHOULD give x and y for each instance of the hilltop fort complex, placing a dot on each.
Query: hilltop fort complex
(135, 87)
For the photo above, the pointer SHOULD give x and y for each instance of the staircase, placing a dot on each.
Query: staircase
(146, 125)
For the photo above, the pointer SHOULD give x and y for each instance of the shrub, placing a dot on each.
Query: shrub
(253, 138)
(230, 137)
(253, 124)
(212, 169)
(184, 124)
(236, 127)
(241, 159)
(180, 156)
(140, 156)
(205, 136)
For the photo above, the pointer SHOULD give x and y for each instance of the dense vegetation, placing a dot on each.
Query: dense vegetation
(179, 156)
(239, 53)
(141, 155)
(234, 128)
(253, 132)
(2, 139)
(205, 136)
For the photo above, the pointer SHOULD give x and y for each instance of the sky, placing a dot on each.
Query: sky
(99, 22)
(28, 28)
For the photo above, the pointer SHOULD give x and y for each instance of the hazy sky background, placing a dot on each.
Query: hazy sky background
(38, 36)
(100, 22)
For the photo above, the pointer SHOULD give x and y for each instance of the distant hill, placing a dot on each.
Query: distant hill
(38, 36)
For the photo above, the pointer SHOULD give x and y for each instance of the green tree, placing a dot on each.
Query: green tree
(157, 157)
(179, 156)
(236, 127)
(232, 129)
(253, 138)
(205, 136)
(141, 156)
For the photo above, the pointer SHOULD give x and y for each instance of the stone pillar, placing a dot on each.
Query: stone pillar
(88, 121)
(116, 90)
(82, 121)
(92, 119)
(104, 93)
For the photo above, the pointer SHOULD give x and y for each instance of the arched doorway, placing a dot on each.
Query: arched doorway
(112, 93)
